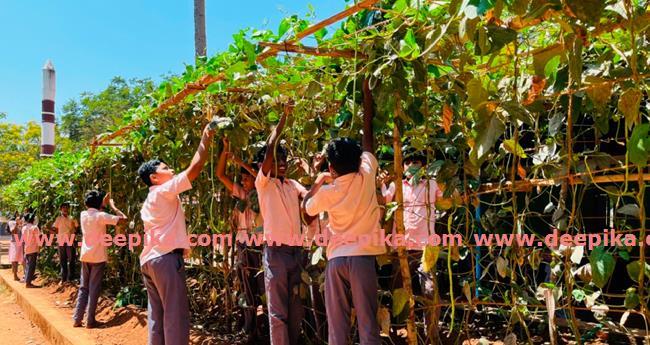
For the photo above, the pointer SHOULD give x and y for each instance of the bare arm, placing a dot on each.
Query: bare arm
(273, 141)
(201, 155)
(244, 165)
(320, 180)
(118, 212)
(368, 114)
(221, 167)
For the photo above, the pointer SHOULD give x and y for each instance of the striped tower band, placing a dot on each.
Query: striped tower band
(47, 114)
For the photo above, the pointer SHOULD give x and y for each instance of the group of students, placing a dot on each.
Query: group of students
(343, 199)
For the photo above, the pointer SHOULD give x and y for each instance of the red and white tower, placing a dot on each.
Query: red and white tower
(47, 113)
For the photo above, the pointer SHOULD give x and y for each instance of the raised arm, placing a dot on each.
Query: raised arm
(368, 114)
(108, 200)
(201, 154)
(244, 165)
(269, 156)
(221, 167)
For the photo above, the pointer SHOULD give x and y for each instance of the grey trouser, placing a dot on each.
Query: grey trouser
(89, 290)
(282, 271)
(30, 267)
(169, 307)
(351, 281)
(67, 255)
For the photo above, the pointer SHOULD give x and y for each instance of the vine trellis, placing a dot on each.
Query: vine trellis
(533, 115)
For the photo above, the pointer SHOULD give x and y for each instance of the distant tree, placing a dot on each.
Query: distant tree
(95, 113)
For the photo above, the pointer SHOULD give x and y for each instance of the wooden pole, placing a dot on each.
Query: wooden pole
(316, 51)
(314, 28)
(399, 225)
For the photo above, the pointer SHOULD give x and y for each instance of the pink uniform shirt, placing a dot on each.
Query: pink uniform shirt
(419, 210)
(65, 225)
(351, 204)
(93, 228)
(31, 234)
(164, 219)
(280, 208)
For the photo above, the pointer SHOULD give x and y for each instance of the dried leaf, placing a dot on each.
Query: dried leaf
(383, 317)
(628, 105)
(447, 117)
(536, 89)
(502, 266)
(521, 172)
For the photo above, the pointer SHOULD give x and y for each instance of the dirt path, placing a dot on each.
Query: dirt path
(15, 328)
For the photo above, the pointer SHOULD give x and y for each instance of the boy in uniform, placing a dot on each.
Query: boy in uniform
(166, 244)
(350, 200)
(279, 199)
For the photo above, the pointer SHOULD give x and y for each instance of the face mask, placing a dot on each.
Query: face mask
(411, 171)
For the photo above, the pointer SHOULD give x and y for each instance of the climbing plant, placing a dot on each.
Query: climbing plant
(533, 116)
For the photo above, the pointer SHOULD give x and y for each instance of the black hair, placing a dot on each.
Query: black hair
(94, 198)
(344, 155)
(148, 168)
(29, 217)
(416, 157)
(325, 166)
(65, 204)
(243, 171)
(281, 153)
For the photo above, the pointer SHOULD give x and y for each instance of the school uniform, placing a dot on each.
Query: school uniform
(162, 263)
(67, 254)
(15, 245)
(93, 262)
(249, 258)
(280, 209)
(30, 235)
(350, 277)
(419, 199)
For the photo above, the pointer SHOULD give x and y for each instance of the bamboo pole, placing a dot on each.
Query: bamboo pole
(268, 52)
(316, 51)
(399, 225)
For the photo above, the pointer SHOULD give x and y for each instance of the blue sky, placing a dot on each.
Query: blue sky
(90, 41)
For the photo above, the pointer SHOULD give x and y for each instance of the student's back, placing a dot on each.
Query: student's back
(351, 202)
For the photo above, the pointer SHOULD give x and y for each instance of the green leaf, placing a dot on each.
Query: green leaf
(409, 48)
(343, 116)
(630, 210)
(551, 67)
(476, 94)
(400, 298)
(633, 269)
(513, 147)
(430, 257)
(628, 105)
(273, 117)
(285, 25)
(631, 298)
(492, 38)
(602, 266)
(488, 131)
(638, 147)
(517, 112)
(578, 295)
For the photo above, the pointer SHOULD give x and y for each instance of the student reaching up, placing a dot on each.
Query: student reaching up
(279, 199)
(165, 244)
(348, 194)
